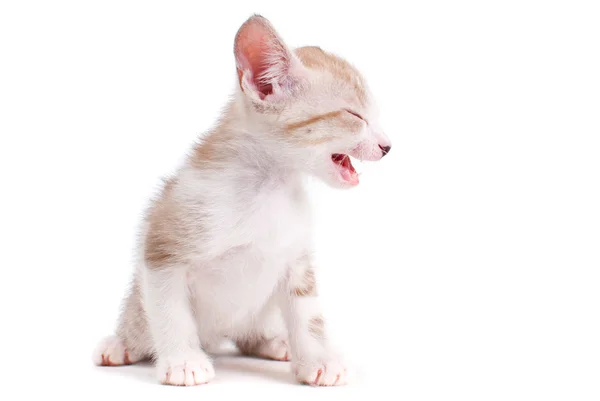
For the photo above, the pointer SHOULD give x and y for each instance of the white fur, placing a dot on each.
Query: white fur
(110, 349)
(249, 242)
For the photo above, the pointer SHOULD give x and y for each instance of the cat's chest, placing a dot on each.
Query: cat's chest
(258, 244)
(258, 224)
(276, 222)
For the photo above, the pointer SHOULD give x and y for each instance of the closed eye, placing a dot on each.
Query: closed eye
(355, 114)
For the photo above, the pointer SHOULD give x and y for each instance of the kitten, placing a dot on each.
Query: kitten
(225, 249)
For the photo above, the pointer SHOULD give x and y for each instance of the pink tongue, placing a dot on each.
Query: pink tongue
(349, 176)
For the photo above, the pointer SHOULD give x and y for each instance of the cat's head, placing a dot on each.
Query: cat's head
(314, 107)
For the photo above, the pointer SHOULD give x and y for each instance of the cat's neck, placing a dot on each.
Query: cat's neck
(240, 146)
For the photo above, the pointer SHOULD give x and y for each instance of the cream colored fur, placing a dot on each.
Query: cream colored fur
(225, 250)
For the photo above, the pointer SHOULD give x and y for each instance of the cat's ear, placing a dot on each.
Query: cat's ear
(266, 67)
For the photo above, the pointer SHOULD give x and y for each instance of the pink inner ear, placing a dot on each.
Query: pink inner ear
(255, 51)
(259, 51)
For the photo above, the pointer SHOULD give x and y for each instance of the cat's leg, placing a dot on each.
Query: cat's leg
(314, 361)
(132, 342)
(267, 336)
(180, 359)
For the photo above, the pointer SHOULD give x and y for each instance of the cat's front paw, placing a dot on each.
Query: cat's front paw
(185, 371)
(321, 373)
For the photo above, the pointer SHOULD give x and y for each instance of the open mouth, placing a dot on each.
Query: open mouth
(345, 169)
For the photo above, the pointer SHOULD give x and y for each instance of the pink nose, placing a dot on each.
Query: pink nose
(385, 150)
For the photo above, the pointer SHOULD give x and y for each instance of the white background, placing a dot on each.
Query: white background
(465, 266)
